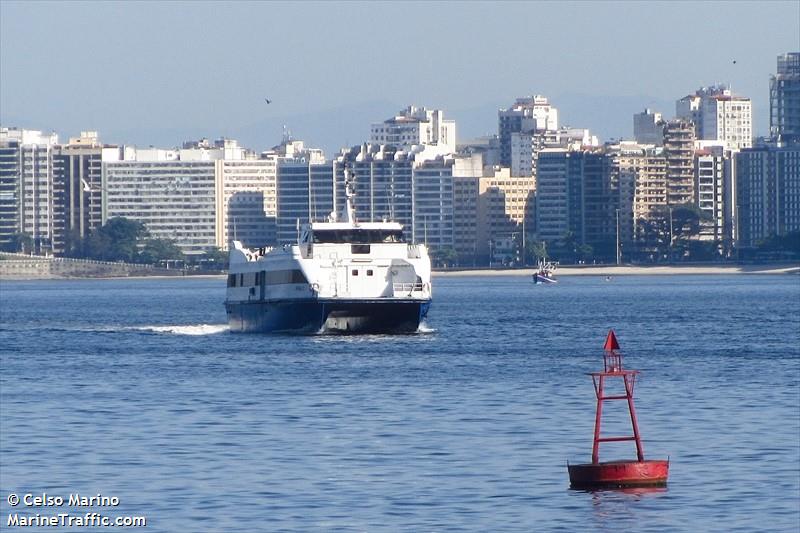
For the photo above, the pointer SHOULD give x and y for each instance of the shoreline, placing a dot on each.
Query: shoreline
(569, 270)
(631, 270)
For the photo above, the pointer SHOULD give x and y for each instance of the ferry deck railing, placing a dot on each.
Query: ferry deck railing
(408, 288)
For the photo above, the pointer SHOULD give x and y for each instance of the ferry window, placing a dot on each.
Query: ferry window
(241, 280)
(355, 272)
(280, 277)
(231, 280)
(369, 272)
(359, 248)
(358, 236)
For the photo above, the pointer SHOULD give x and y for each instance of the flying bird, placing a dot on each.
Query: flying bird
(734, 61)
(267, 100)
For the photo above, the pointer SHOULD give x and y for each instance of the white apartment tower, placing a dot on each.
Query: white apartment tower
(27, 196)
(531, 114)
(712, 179)
(201, 196)
(719, 115)
(525, 146)
(416, 126)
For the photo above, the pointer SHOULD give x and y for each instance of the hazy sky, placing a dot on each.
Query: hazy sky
(160, 72)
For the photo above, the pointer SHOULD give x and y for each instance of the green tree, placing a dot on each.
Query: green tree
(536, 249)
(444, 256)
(214, 259)
(585, 252)
(790, 242)
(566, 249)
(703, 250)
(73, 243)
(19, 243)
(116, 240)
(158, 250)
(686, 219)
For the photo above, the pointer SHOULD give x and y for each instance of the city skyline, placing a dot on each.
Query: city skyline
(202, 71)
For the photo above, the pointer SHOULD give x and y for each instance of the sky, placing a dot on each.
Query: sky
(159, 73)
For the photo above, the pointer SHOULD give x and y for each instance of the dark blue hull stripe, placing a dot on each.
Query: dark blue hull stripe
(310, 316)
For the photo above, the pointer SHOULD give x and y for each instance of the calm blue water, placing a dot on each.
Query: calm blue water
(133, 389)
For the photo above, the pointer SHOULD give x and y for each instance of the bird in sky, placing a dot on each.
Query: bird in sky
(267, 100)
(734, 61)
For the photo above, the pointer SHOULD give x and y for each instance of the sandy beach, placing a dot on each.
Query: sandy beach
(627, 270)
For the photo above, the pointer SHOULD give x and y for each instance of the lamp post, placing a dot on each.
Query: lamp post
(524, 216)
(619, 257)
(670, 234)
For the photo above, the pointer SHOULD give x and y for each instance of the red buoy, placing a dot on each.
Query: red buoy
(621, 473)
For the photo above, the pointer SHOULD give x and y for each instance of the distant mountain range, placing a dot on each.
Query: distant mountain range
(608, 117)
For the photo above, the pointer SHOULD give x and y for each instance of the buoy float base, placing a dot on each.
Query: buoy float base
(619, 474)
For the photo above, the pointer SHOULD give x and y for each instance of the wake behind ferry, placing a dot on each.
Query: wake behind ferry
(342, 276)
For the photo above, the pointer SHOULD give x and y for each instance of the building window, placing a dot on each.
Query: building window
(355, 272)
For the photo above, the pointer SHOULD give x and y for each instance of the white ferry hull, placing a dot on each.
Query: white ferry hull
(327, 315)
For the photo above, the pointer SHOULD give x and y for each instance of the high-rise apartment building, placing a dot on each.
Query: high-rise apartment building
(488, 147)
(305, 194)
(650, 195)
(552, 195)
(648, 127)
(528, 115)
(719, 115)
(417, 126)
(767, 192)
(506, 210)
(577, 192)
(784, 99)
(467, 173)
(384, 188)
(525, 146)
(433, 202)
(639, 175)
(249, 201)
(712, 179)
(78, 189)
(27, 199)
(201, 196)
(599, 200)
(679, 140)
(406, 187)
(175, 199)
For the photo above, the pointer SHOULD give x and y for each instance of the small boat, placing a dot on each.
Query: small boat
(545, 273)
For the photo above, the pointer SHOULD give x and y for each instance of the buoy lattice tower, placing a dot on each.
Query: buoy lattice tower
(623, 473)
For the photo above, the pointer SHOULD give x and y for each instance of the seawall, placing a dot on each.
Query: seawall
(20, 266)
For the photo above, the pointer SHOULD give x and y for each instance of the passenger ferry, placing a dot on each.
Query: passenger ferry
(341, 276)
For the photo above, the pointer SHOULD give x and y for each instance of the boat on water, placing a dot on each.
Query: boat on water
(545, 273)
(341, 276)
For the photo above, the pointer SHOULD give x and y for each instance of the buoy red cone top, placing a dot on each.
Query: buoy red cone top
(611, 342)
